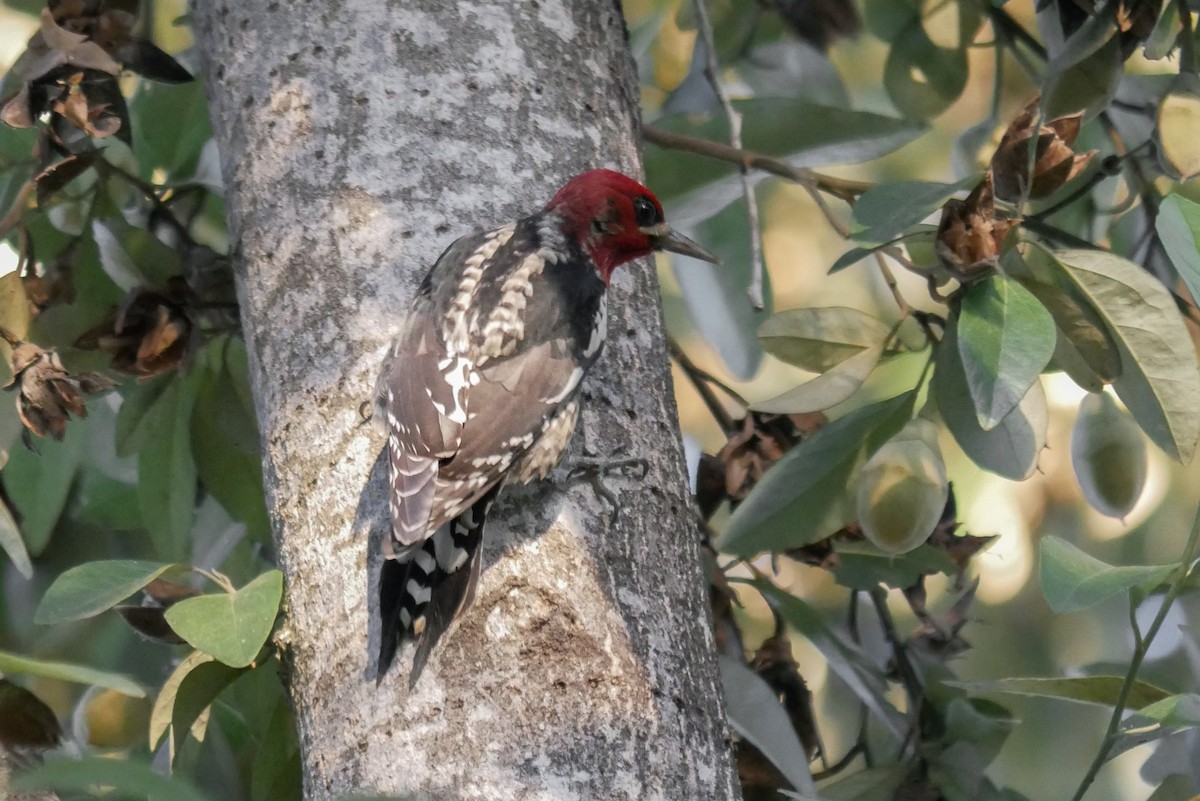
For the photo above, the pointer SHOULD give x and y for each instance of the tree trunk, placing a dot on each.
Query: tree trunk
(358, 140)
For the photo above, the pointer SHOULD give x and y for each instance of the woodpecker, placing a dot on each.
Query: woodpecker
(481, 386)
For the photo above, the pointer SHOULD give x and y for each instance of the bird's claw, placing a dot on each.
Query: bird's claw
(594, 470)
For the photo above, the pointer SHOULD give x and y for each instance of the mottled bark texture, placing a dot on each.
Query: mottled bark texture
(358, 139)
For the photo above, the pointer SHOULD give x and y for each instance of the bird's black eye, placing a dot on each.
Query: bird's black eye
(645, 212)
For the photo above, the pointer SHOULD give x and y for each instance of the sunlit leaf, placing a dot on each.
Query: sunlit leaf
(1005, 339)
(62, 671)
(93, 587)
(817, 339)
(1160, 378)
(756, 714)
(807, 495)
(1101, 690)
(232, 627)
(1072, 580)
(829, 389)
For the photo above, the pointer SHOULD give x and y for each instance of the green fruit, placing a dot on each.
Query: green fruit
(1109, 456)
(902, 489)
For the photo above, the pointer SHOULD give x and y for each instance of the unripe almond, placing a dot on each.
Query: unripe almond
(902, 489)
(1109, 456)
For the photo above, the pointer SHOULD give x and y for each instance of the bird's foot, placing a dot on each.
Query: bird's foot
(594, 470)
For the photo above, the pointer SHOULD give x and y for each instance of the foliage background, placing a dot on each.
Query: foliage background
(1011, 629)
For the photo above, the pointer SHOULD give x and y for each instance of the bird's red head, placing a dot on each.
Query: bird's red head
(616, 219)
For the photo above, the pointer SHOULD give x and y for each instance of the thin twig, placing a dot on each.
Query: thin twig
(701, 380)
(1139, 654)
(712, 70)
(889, 278)
(842, 188)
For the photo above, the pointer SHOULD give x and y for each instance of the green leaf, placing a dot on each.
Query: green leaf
(818, 339)
(1005, 340)
(1011, 449)
(1160, 378)
(232, 627)
(1177, 711)
(921, 78)
(1101, 690)
(277, 771)
(869, 784)
(808, 495)
(132, 256)
(1073, 580)
(162, 713)
(984, 724)
(845, 659)
(829, 389)
(129, 777)
(174, 127)
(63, 671)
(224, 442)
(141, 415)
(167, 471)
(1083, 85)
(39, 483)
(862, 566)
(11, 542)
(715, 294)
(1081, 326)
(696, 186)
(1178, 226)
(756, 714)
(887, 210)
(93, 587)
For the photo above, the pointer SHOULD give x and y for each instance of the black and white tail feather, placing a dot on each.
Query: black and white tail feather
(480, 388)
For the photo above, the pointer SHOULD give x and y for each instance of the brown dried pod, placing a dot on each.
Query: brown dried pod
(1055, 160)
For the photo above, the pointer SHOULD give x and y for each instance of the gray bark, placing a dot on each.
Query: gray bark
(358, 139)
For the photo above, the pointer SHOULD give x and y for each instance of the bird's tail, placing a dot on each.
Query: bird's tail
(423, 590)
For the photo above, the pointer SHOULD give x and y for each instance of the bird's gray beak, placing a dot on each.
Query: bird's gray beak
(675, 242)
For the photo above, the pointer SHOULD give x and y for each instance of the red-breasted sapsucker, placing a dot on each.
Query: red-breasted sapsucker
(481, 387)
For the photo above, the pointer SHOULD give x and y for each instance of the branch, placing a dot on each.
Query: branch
(842, 188)
(712, 72)
(1139, 654)
(701, 380)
